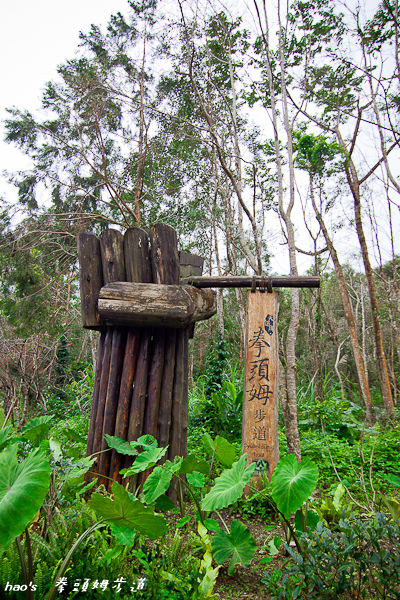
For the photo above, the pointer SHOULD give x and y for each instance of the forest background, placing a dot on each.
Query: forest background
(276, 132)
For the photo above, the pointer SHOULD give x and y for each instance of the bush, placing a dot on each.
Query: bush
(360, 560)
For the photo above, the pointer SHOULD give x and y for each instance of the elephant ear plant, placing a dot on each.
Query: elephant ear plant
(23, 488)
(291, 487)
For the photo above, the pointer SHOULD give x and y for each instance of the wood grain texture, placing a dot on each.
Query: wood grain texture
(96, 389)
(260, 390)
(110, 407)
(112, 255)
(155, 305)
(105, 370)
(124, 401)
(90, 279)
(244, 281)
(167, 388)
(137, 256)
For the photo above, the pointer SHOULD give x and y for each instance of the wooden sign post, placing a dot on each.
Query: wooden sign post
(260, 390)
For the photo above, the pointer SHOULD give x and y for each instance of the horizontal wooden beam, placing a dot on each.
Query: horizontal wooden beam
(155, 305)
(246, 282)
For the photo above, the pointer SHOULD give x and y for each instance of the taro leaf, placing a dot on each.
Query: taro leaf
(120, 445)
(195, 479)
(80, 468)
(5, 435)
(175, 466)
(123, 535)
(146, 460)
(211, 524)
(156, 484)
(393, 507)
(36, 430)
(55, 448)
(238, 542)
(74, 436)
(224, 451)
(312, 520)
(191, 463)
(229, 486)
(23, 487)
(164, 503)
(145, 441)
(392, 479)
(293, 483)
(132, 514)
(182, 522)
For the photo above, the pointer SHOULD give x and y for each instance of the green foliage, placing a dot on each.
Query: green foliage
(360, 559)
(229, 486)
(292, 483)
(23, 487)
(220, 448)
(239, 544)
(132, 514)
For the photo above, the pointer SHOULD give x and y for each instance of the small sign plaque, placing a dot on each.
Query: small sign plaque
(260, 391)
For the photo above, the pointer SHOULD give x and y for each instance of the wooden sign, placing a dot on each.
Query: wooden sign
(260, 391)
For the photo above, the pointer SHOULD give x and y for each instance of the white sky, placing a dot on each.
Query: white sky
(35, 37)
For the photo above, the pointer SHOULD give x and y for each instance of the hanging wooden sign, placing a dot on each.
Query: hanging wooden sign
(260, 391)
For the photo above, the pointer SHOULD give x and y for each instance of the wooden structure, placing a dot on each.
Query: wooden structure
(130, 293)
(260, 397)
(144, 298)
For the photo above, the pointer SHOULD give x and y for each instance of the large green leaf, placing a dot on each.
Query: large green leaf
(196, 479)
(156, 484)
(229, 486)
(23, 487)
(37, 429)
(5, 435)
(125, 512)
(239, 543)
(191, 463)
(146, 460)
(224, 451)
(293, 483)
(120, 445)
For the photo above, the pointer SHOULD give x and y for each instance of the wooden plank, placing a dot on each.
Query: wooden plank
(124, 400)
(185, 395)
(190, 264)
(137, 256)
(96, 388)
(110, 407)
(164, 254)
(112, 255)
(155, 305)
(244, 281)
(90, 279)
(138, 269)
(105, 369)
(167, 388)
(178, 397)
(260, 397)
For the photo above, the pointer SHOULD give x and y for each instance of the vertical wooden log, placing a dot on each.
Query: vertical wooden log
(178, 396)
(90, 278)
(105, 369)
(165, 267)
(260, 391)
(96, 388)
(112, 255)
(167, 388)
(138, 270)
(185, 394)
(113, 263)
(110, 408)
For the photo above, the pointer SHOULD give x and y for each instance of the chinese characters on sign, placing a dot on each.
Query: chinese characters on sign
(260, 397)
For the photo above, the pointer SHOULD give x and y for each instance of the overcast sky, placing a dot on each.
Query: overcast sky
(35, 37)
